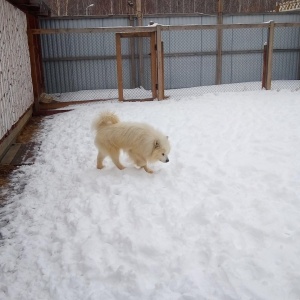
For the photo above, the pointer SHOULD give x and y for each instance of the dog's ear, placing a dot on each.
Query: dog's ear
(156, 144)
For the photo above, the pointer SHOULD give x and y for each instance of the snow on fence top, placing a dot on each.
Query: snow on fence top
(16, 94)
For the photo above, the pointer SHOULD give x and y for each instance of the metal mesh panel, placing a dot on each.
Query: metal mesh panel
(139, 70)
(80, 66)
(190, 59)
(242, 56)
(286, 58)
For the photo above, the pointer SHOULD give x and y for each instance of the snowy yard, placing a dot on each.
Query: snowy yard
(220, 221)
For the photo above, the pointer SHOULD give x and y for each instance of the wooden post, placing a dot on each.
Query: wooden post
(34, 75)
(140, 42)
(270, 55)
(265, 67)
(219, 43)
(153, 65)
(35, 61)
(119, 66)
(160, 70)
(163, 69)
(139, 12)
(132, 56)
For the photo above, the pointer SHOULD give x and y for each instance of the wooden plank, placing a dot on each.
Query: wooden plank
(119, 66)
(147, 28)
(135, 34)
(270, 54)
(159, 63)
(13, 133)
(153, 29)
(265, 67)
(10, 154)
(95, 30)
(34, 73)
(153, 66)
(206, 27)
(132, 57)
(138, 100)
(163, 70)
(219, 44)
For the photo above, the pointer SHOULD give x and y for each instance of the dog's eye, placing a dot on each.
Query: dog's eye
(163, 154)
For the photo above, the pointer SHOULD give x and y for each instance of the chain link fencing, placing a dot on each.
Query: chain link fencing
(83, 66)
(286, 57)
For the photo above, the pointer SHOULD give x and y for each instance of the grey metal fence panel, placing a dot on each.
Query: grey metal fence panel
(181, 20)
(82, 22)
(185, 64)
(74, 62)
(282, 17)
(286, 55)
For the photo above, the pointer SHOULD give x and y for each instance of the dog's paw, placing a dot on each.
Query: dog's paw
(148, 170)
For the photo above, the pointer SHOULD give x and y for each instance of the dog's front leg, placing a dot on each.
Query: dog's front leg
(147, 169)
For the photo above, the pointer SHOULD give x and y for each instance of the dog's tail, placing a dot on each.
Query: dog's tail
(105, 118)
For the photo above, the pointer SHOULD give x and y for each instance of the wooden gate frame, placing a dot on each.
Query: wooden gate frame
(156, 55)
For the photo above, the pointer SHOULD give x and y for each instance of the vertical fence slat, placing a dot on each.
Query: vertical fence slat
(270, 55)
(119, 66)
(160, 73)
(219, 43)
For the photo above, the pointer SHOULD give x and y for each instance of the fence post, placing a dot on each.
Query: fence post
(160, 67)
(153, 65)
(132, 56)
(265, 67)
(270, 45)
(35, 61)
(219, 43)
(139, 15)
(119, 66)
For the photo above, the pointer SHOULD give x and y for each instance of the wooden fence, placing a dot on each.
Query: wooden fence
(270, 27)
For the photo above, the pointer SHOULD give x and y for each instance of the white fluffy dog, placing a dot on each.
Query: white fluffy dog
(140, 141)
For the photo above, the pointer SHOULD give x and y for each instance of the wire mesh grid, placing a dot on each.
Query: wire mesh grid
(136, 68)
(286, 58)
(191, 59)
(80, 66)
(242, 57)
(83, 66)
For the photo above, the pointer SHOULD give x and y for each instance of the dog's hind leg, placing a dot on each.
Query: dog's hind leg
(100, 158)
(115, 154)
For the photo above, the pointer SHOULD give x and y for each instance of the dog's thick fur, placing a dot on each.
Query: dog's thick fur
(140, 141)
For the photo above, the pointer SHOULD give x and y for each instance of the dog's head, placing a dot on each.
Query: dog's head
(161, 150)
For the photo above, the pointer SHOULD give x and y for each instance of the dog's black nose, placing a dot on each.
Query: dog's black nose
(167, 160)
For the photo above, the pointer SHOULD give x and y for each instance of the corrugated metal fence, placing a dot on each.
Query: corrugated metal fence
(86, 62)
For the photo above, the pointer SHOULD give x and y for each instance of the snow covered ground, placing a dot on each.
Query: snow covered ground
(200, 90)
(221, 220)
